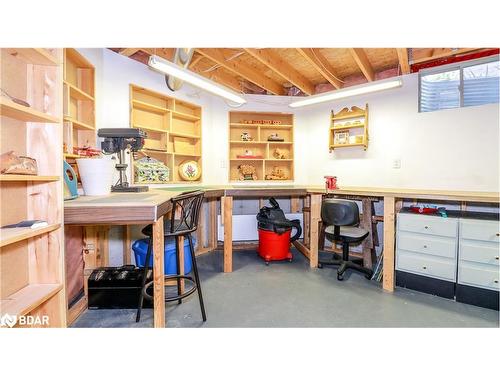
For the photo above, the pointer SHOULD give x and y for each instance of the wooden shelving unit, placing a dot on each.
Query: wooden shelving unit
(353, 123)
(173, 127)
(32, 260)
(79, 103)
(250, 122)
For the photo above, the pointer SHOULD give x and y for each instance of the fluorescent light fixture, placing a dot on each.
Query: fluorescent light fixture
(194, 79)
(347, 92)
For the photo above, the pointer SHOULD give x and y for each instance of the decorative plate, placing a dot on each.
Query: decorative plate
(190, 170)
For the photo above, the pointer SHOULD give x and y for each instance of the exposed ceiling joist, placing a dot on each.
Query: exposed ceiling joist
(195, 61)
(440, 55)
(221, 78)
(274, 62)
(403, 60)
(242, 69)
(364, 65)
(320, 63)
(128, 51)
(166, 53)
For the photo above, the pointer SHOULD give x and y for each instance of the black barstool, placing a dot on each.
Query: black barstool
(184, 221)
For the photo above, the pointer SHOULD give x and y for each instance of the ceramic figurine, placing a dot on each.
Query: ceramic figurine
(276, 174)
(247, 172)
(274, 137)
(246, 137)
(278, 154)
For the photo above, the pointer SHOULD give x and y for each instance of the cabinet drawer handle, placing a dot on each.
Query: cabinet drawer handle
(495, 281)
(496, 258)
(497, 234)
(424, 267)
(425, 246)
(426, 227)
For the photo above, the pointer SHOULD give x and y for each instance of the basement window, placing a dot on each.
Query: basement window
(459, 85)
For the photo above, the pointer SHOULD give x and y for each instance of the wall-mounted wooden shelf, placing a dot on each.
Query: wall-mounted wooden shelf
(32, 260)
(26, 114)
(35, 56)
(170, 124)
(23, 177)
(79, 103)
(354, 132)
(28, 298)
(12, 235)
(260, 145)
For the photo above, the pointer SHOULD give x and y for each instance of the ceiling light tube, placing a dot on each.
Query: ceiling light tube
(347, 92)
(165, 66)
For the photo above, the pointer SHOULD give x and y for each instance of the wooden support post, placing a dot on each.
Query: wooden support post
(213, 235)
(201, 232)
(389, 234)
(228, 233)
(306, 215)
(366, 222)
(127, 245)
(315, 217)
(294, 205)
(158, 274)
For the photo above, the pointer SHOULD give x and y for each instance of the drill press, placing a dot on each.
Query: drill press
(119, 141)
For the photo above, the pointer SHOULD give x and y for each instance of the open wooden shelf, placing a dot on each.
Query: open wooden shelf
(35, 56)
(32, 260)
(260, 145)
(78, 94)
(24, 177)
(339, 126)
(173, 127)
(78, 124)
(78, 103)
(12, 235)
(28, 298)
(26, 114)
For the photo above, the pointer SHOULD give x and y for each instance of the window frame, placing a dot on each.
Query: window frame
(460, 66)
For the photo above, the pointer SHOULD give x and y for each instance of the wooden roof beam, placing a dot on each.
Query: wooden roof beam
(166, 53)
(359, 56)
(403, 60)
(195, 61)
(128, 51)
(440, 55)
(274, 62)
(321, 64)
(222, 78)
(242, 69)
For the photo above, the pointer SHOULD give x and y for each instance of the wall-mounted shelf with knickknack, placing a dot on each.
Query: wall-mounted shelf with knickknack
(262, 142)
(349, 128)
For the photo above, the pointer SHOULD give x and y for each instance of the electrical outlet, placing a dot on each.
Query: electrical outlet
(223, 164)
(396, 163)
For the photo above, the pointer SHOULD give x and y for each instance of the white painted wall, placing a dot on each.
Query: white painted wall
(455, 149)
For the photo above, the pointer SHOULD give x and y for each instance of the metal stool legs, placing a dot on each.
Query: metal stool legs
(197, 278)
(177, 277)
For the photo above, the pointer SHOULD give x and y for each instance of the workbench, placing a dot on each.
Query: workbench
(150, 207)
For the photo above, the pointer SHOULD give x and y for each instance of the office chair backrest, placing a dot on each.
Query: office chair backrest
(185, 212)
(339, 212)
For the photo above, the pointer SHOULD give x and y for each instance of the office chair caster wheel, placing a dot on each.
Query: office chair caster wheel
(340, 277)
(290, 260)
(267, 263)
(368, 277)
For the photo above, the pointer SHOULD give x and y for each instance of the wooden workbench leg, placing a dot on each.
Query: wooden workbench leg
(367, 224)
(306, 209)
(294, 205)
(158, 274)
(389, 235)
(212, 234)
(227, 203)
(201, 231)
(315, 217)
(127, 245)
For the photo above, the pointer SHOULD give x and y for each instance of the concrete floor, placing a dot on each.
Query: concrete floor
(292, 295)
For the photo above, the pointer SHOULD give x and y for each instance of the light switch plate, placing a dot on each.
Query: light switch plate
(396, 163)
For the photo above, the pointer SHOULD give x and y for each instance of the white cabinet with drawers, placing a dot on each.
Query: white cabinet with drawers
(454, 257)
(479, 251)
(427, 245)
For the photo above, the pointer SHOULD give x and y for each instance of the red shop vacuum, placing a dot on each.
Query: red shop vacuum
(275, 233)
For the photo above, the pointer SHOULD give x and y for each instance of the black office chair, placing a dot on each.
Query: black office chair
(184, 221)
(341, 218)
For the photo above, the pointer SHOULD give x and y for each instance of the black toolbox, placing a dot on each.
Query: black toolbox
(116, 288)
